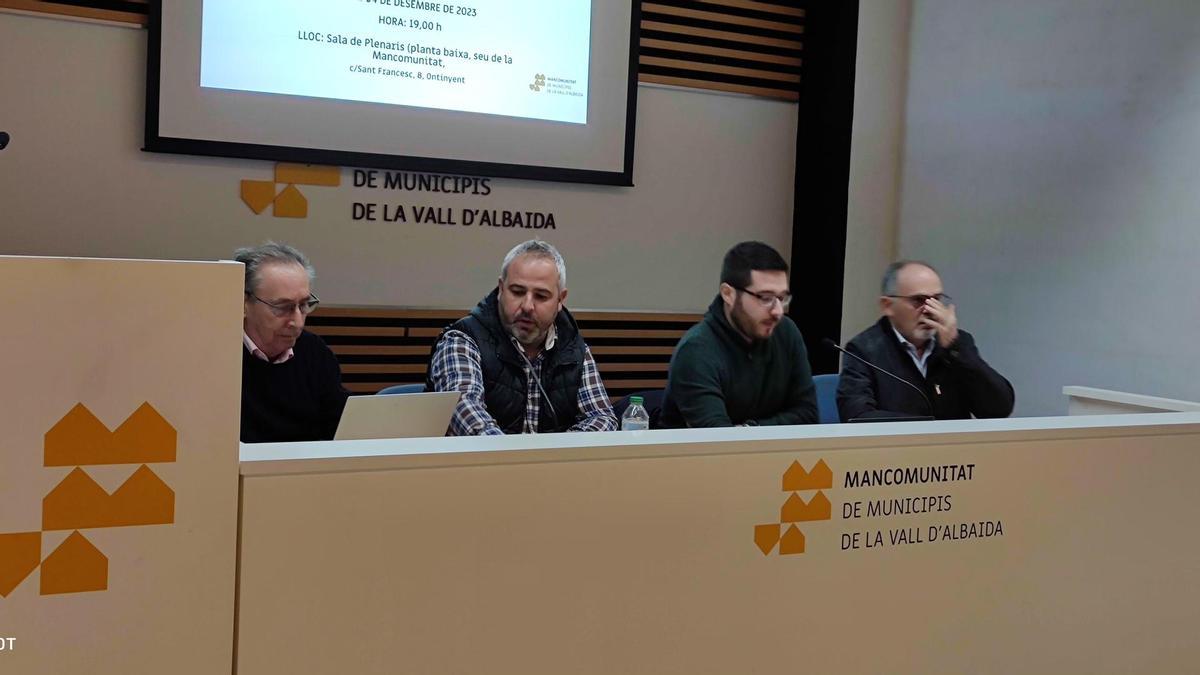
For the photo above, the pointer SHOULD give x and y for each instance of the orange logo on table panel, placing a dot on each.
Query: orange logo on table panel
(796, 478)
(796, 510)
(78, 502)
(76, 566)
(79, 439)
(20, 554)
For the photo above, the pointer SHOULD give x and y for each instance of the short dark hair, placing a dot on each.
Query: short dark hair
(888, 285)
(746, 257)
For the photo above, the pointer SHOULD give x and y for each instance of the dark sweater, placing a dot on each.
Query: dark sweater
(300, 399)
(717, 379)
(958, 382)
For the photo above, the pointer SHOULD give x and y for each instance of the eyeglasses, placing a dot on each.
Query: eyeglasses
(286, 309)
(918, 301)
(768, 300)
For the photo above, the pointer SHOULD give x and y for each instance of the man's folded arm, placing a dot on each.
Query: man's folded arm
(801, 406)
(856, 390)
(990, 394)
(696, 390)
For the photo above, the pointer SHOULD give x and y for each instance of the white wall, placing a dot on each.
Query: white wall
(880, 85)
(1052, 171)
(711, 170)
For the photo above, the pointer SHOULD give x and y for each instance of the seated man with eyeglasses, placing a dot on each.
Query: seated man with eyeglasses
(291, 382)
(918, 340)
(745, 363)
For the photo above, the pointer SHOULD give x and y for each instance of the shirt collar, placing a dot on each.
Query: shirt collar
(260, 355)
(921, 361)
(908, 345)
(551, 338)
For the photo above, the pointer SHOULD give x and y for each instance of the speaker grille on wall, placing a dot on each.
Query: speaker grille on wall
(743, 46)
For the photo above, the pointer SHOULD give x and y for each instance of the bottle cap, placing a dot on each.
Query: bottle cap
(635, 400)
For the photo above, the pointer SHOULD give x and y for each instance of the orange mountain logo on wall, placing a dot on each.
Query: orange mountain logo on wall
(288, 202)
(796, 510)
(79, 503)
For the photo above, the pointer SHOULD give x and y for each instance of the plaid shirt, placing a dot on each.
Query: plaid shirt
(456, 367)
(261, 355)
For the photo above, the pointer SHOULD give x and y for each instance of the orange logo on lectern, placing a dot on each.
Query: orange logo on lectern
(288, 202)
(796, 510)
(79, 503)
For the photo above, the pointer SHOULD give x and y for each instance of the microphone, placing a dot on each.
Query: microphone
(830, 343)
(538, 382)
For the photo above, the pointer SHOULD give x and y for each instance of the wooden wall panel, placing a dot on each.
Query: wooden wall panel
(118, 11)
(380, 347)
(741, 46)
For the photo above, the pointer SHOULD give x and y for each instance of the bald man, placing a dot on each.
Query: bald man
(918, 339)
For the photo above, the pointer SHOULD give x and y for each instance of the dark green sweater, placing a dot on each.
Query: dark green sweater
(717, 379)
(300, 399)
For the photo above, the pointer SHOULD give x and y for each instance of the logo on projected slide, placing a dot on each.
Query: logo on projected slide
(796, 509)
(539, 81)
(282, 195)
(78, 502)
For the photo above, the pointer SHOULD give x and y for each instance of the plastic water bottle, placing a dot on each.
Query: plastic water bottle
(635, 418)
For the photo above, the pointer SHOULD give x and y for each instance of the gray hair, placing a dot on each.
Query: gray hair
(268, 253)
(893, 271)
(538, 249)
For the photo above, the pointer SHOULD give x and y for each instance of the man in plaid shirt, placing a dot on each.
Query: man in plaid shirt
(518, 357)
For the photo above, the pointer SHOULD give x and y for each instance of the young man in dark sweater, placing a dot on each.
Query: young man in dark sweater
(745, 363)
(291, 382)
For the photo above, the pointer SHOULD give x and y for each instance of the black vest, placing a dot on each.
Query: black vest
(504, 381)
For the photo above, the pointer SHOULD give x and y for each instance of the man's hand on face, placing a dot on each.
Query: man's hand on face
(942, 319)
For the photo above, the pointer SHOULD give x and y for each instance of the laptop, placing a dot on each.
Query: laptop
(397, 416)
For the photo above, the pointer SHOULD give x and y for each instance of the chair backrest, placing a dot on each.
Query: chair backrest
(827, 398)
(652, 401)
(401, 389)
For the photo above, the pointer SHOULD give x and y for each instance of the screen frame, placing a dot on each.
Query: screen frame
(154, 142)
